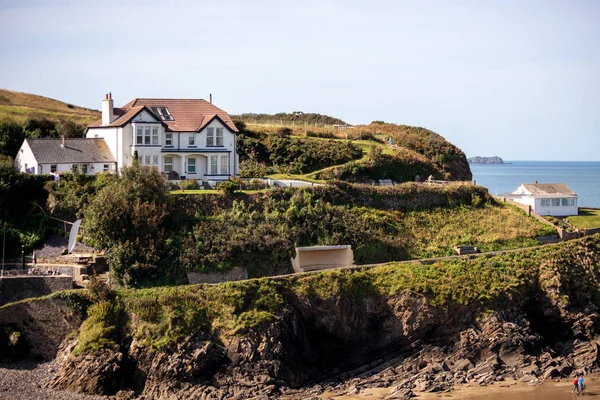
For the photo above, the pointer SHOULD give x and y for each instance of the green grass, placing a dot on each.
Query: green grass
(587, 218)
(160, 316)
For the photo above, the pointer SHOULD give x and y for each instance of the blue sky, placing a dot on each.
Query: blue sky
(517, 79)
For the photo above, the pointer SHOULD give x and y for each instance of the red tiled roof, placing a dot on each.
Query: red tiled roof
(189, 115)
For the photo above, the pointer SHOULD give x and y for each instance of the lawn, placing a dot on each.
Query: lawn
(587, 218)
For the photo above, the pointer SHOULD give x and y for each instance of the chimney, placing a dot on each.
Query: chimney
(210, 98)
(107, 110)
(62, 142)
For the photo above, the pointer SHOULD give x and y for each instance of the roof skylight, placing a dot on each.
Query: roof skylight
(163, 113)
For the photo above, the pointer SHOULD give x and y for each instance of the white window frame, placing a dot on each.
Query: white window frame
(219, 138)
(147, 135)
(224, 165)
(105, 167)
(192, 140)
(546, 203)
(169, 139)
(210, 136)
(155, 161)
(214, 164)
(155, 135)
(168, 162)
(191, 167)
(146, 159)
(139, 135)
(53, 168)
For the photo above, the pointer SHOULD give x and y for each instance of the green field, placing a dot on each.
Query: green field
(587, 218)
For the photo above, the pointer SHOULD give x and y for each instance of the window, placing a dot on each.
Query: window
(147, 135)
(567, 202)
(192, 140)
(224, 165)
(139, 135)
(219, 136)
(105, 167)
(146, 160)
(163, 113)
(155, 161)
(168, 164)
(555, 202)
(52, 167)
(191, 165)
(84, 169)
(169, 139)
(545, 202)
(213, 165)
(155, 135)
(210, 136)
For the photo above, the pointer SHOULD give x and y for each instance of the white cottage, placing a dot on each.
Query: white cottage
(184, 138)
(547, 198)
(44, 156)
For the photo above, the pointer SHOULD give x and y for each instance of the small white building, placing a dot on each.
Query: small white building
(554, 199)
(44, 156)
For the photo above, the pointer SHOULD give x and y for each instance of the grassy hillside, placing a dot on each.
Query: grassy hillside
(294, 118)
(19, 107)
(413, 152)
(24, 115)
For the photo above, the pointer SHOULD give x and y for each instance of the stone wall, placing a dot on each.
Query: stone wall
(44, 323)
(15, 288)
(236, 274)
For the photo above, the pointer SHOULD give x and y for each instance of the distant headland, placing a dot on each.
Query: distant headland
(486, 160)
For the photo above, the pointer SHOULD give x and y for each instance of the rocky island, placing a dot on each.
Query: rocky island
(485, 160)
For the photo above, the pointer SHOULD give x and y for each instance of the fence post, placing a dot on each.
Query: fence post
(23, 257)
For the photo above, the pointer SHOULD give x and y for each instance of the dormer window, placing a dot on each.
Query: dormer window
(163, 113)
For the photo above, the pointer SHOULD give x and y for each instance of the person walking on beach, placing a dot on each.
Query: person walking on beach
(581, 385)
(575, 385)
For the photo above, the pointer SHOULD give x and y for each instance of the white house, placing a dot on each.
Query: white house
(188, 138)
(43, 156)
(547, 198)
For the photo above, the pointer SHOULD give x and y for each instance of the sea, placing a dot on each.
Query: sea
(582, 177)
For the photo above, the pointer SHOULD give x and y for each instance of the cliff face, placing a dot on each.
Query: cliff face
(530, 315)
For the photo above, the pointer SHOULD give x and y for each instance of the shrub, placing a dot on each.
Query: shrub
(227, 187)
(284, 132)
(190, 184)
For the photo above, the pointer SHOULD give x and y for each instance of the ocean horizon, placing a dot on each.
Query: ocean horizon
(583, 177)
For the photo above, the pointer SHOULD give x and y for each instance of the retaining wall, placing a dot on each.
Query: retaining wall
(15, 288)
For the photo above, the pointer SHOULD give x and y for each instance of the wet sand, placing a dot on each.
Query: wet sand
(507, 390)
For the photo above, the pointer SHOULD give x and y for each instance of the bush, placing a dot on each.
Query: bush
(284, 132)
(227, 187)
(190, 184)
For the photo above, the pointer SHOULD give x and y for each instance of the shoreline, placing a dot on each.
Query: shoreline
(509, 389)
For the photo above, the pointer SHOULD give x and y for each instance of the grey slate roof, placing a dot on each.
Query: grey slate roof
(49, 151)
(548, 189)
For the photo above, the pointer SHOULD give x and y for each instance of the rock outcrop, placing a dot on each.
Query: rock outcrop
(358, 338)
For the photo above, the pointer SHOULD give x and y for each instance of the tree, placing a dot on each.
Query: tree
(129, 218)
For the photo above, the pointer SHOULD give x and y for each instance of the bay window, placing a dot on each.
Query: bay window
(146, 135)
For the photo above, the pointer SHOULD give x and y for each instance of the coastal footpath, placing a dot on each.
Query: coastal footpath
(530, 315)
